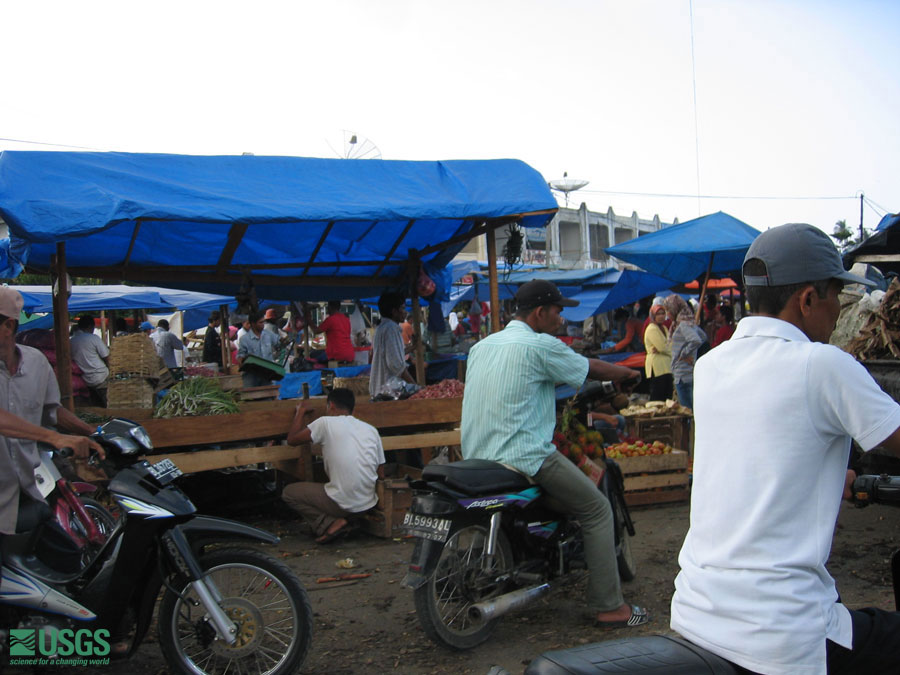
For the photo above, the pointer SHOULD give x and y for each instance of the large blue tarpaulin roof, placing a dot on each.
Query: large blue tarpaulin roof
(682, 252)
(39, 299)
(303, 228)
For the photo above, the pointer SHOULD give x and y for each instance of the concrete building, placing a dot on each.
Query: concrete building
(574, 239)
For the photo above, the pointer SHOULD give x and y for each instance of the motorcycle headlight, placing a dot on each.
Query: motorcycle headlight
(141, 436)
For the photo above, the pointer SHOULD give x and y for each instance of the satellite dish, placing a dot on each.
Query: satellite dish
(567, 185)
(355, 146)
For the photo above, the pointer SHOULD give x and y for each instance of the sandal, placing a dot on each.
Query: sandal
(639, 616)
(331, 536)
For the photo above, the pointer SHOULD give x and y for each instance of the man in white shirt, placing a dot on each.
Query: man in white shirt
(166, 343)
(91, 354)
(353, 456)
(775, 409)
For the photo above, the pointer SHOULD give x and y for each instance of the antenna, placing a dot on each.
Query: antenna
(567, 185)
(355, 146)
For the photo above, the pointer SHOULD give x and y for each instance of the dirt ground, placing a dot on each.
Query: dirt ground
(370, 626)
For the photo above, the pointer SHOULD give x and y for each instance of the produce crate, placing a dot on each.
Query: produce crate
(674, 430)
(133, 392)
(230, 382)
(359, 385)
(394, 498)
(656, 479)
(134, 355)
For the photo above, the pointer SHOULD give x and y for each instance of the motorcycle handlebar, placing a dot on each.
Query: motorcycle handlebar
(65, 453)
(871, 489)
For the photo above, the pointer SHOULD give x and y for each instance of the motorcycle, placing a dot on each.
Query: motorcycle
(87, 522)
(487, 543)
(664, 654)
(224, 609)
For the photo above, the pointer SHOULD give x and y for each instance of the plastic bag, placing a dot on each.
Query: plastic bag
(396, 389)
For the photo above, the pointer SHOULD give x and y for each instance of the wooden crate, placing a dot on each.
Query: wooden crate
(656, 479)
(134, 392)
(394, 498)
(674, 430)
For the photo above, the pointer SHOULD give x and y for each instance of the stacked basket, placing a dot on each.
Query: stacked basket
(134, 372)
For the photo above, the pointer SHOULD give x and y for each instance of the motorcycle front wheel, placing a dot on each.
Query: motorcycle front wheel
(103, 520)
(464, 575)
(261, 596)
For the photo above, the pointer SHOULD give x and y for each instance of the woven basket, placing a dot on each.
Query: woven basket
(359, 385)
(134, 355)
(133, 392)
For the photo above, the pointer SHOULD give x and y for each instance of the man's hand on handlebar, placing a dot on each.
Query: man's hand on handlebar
(81, 445)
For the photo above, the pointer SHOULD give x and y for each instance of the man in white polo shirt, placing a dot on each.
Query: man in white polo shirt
(775, 409)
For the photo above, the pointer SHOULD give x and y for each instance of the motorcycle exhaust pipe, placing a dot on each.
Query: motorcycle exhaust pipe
(482, 612)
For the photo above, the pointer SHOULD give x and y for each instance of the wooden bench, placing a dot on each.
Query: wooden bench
(403, 425)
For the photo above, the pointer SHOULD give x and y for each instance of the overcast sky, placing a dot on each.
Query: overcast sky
(793, 99)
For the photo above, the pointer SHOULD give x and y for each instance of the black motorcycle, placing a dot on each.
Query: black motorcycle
(225, 609)
(663, 654)
(488, 543)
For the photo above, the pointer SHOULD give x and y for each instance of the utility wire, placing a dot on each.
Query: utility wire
(58, 145)
(696, 124)
(682, 196)
(874, 203)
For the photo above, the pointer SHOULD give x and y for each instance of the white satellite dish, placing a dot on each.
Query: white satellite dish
(355, 146)
(567, 185)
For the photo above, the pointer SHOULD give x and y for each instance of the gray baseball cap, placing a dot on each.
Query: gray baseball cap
(796, 253)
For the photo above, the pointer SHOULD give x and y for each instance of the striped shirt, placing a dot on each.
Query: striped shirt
(509, 405)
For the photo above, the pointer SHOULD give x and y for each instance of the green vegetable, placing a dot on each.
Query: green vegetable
(196, 396)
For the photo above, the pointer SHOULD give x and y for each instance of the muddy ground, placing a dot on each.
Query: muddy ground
(370, 626)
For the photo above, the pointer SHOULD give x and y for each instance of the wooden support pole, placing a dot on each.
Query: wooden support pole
(225, 338)
(61, 325)
(104, 329)
(492, 279)
(703, 289)
(414, 266)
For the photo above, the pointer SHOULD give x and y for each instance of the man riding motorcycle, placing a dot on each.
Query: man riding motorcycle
(775, 409)
(508, 416)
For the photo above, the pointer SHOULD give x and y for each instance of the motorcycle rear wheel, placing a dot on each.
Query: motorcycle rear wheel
(262, 597)
(625, 557)
(462, 577)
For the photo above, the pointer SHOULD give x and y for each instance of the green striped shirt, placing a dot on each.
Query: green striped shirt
(509, 405)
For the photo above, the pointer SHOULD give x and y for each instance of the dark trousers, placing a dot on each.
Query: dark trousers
(876, 645)
(660, 387)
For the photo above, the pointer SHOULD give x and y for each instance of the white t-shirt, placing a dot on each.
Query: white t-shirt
(88, 351)
(352, 452)
(774, 415)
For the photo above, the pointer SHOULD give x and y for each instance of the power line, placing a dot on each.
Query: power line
(58, 145)
(683, 196)
(876, 204)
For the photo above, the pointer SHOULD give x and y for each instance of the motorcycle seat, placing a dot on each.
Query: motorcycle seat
(653, 655)
(476, 476)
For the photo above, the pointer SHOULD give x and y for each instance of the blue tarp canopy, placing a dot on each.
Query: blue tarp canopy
(682, 252)
(39, 299)
(302, 228)
(631, 286)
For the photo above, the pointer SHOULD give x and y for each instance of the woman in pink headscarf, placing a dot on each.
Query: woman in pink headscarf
(685, 339)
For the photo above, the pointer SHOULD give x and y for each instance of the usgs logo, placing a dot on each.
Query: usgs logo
(53, 642)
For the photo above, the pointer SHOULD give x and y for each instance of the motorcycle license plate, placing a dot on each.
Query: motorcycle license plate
(165, 471)
(426, 527)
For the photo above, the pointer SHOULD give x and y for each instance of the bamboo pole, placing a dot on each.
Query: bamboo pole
(225, 339)
(61, 332)
(414, 265)
(703, 288)
(494, 290)
(104, 330)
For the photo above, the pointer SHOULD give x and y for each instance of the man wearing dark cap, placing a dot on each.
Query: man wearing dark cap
(508, 416)
(753, 587)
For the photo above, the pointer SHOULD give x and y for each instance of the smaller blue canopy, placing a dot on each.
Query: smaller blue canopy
(682, 252)
(39, 299)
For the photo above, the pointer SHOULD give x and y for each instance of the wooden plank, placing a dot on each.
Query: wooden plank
(136, 414)
(655, 480)
(206, 460)
(656, 497)
(677, 459)
(272, 419)
(424, 440)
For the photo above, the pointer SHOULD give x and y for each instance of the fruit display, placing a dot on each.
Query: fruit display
(655, 409)
(579, 442)
(637, 448)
